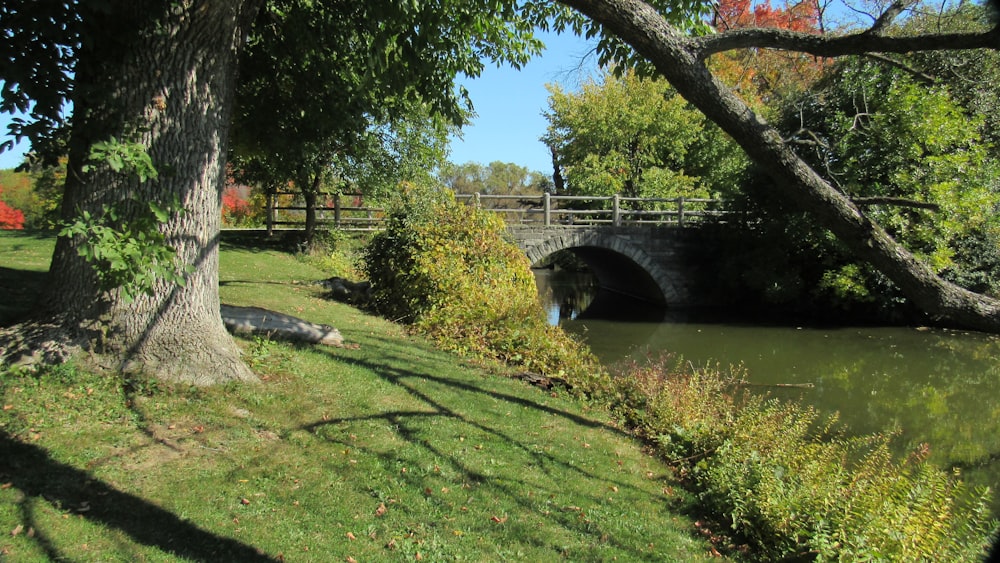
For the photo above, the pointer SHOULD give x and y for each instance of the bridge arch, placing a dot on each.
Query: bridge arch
(626, 260)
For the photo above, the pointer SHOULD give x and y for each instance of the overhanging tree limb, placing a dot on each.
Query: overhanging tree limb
(837, 46)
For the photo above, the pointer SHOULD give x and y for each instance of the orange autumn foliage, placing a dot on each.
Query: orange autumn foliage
(741, 14)
(762, 75)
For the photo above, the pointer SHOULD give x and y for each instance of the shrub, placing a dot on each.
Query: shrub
(451, 272)
(791, 483)
(10, 218)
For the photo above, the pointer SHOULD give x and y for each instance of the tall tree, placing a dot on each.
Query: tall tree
(909, 152)
(152, 87)
(643, 30)
(625, 135)
(158, 76)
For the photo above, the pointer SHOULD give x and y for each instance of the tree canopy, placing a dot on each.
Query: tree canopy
(632, 136)
(495, 178)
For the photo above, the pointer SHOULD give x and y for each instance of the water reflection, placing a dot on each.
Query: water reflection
(566, 294)
(936, 387)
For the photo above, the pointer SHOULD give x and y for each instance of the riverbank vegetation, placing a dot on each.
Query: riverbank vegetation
(792, 482)
(779, 478)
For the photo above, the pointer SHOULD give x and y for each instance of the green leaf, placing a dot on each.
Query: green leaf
(162, 214)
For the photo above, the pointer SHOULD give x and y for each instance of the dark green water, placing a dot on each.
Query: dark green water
(936, 387)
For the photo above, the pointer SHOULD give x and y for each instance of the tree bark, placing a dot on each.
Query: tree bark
(310, 194)
(678, 59)
(161, 74)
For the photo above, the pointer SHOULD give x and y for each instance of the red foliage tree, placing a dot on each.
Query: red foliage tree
(235, 208)
(10, 218)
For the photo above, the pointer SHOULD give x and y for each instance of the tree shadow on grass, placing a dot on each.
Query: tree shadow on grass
(550, 467)
(383, 371)
(19, 290)
(32, 471)
(257, 240)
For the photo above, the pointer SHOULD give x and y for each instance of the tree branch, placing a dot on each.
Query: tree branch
(914, 73)
(897, 201)
(829, 46)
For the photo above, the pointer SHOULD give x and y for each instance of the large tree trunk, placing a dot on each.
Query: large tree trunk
(161, 74)
(678, 60)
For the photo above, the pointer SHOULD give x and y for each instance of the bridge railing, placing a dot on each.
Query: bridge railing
(584, 211)
(348, 211)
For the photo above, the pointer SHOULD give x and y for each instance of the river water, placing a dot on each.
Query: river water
(934, 386)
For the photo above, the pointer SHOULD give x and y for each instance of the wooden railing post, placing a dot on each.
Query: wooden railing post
(616, 213)
(547, 208)
(680, 211)
(336, 210)
(476, 201)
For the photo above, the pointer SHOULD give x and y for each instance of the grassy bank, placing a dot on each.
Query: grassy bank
(384, 450)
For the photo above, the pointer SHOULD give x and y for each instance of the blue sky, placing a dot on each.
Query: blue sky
(11, 158)
(509, 105)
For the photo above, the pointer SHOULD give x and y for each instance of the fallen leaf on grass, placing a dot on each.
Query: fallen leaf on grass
(351, 536)
(498, 520)
(17, 530)
(380, 511)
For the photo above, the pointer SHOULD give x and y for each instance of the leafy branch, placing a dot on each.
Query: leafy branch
(124, 242)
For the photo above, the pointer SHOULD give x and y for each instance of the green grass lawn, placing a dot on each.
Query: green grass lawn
(381, 451)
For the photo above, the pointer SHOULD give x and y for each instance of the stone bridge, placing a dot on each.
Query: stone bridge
(659, 264)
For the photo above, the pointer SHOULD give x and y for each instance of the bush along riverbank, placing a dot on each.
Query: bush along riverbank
(777, 479)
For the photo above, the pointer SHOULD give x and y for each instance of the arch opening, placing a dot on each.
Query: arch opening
(611, 286)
